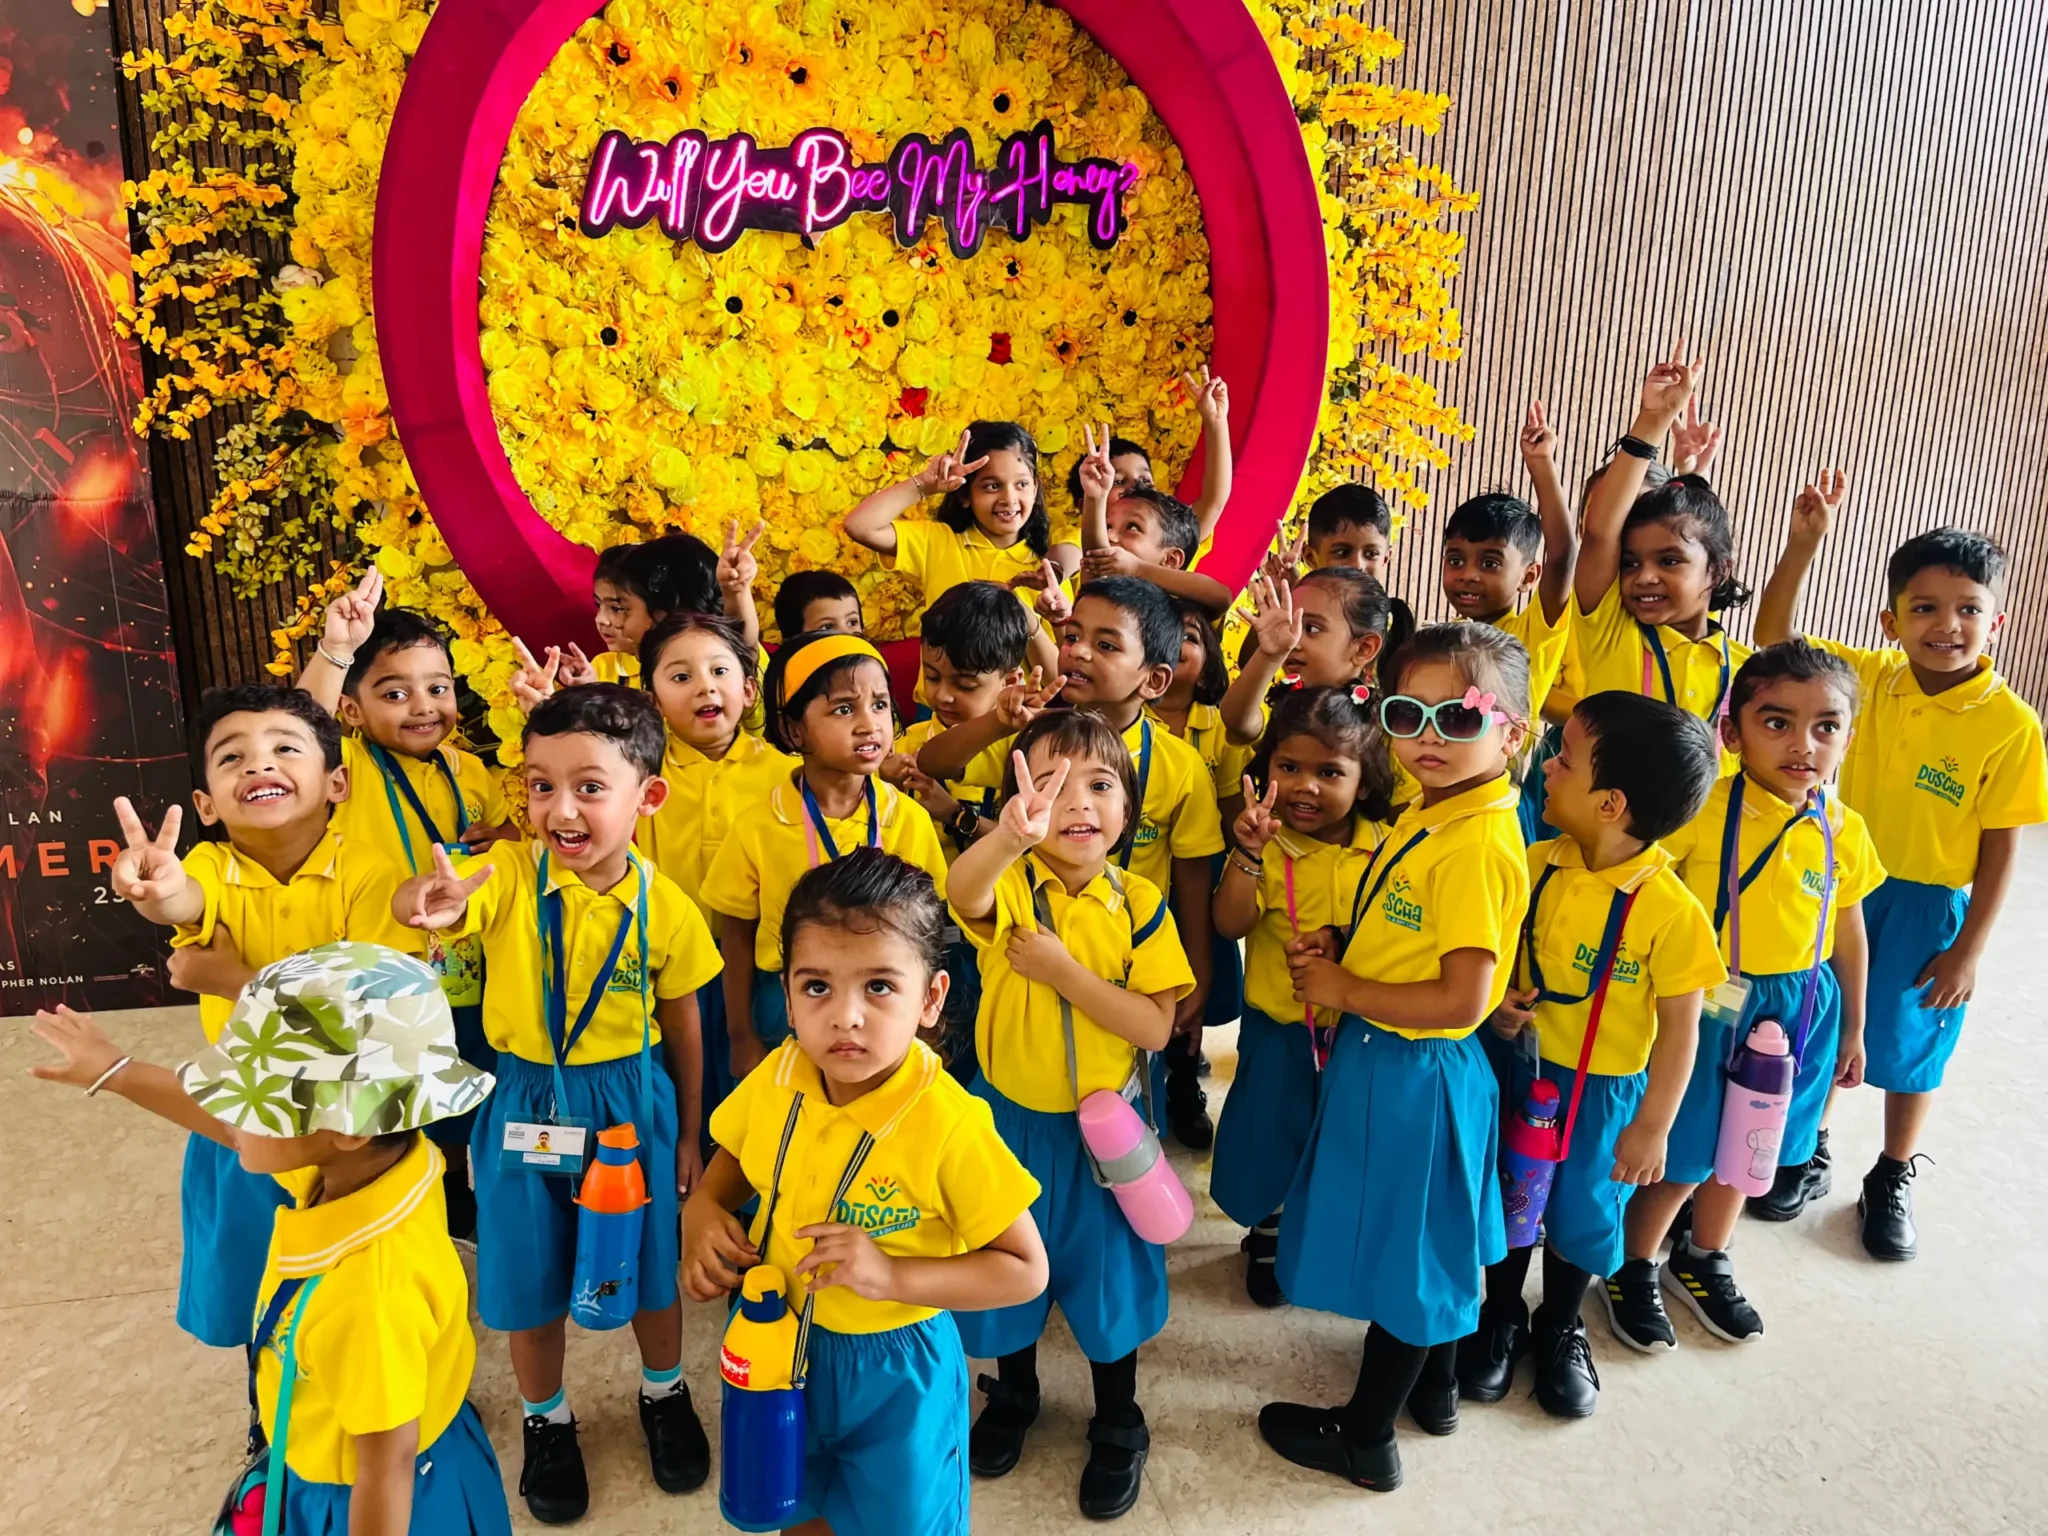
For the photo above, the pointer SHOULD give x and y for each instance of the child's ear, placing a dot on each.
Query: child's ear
(349, 712)
(1157, 680)
(337, 785)
(1997, 623)
(935, 991)
(653, 795)
(1613, 807)
(1367, 650)
(1174, 558)
(202, 802)
(1530, 576)
(1731, 733)
(1889, 623)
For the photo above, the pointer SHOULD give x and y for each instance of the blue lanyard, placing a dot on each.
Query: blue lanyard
(396, 782)
(1656, 644)
(1732, 830)
(1610, 943)
(817, 816)
(555, 985)
(1362, 903)
(1727, 907)
(1144, 778)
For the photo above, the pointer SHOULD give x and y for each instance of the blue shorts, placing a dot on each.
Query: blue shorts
(718, 1082)
(1266, 1118)
(1689, 1158)
(885, 1432)
(478, 1051)
(1395, 1210)
(769, 1009)
(1582, 1221)
(457, 1489)
(226, 1213)
(1109, 1283)
(1908, 1044)
(526, 1221)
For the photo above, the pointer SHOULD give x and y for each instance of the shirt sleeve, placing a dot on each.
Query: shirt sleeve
(1684, 955)
(1197, 830)
(371, 1353)
(689, 958)
(1013, 902)
(371, 881)
(913, 548)
(983, 1186)
(732, 883)
(202, 868)
(1856, 855)
(919, 842)
(729, 1122)
(1158, 963)
(1472, 896)
(1606, 627)
(2015, 789)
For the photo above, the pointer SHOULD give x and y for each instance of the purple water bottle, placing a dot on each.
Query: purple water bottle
(1528, 1162)
(1753, 1110)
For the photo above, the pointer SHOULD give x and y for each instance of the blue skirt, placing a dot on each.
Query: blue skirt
(226, 1213)
(1907, 1043)
(526, 1221)
(885, 1432)
(457, 1490)
(1395, 1210)
(1689, 1157)
(1108, 1282)
(476, 1049)
(1583, 1220)
(769, 1008)
(1266, 1119)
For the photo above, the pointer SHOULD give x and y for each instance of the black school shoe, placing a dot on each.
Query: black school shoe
(1261, 1268)
(1886, 1206)
(676, 1447)
(1567, 1386)
(997, 1439)
(1434, 1409)
(1486, 1358)
(1635, 1307)
(551, 1479)
(1116, 1469)
(1796, 1187)
(1187, 1110)
(1314, 1438)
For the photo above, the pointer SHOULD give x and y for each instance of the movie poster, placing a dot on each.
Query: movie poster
(88, 688)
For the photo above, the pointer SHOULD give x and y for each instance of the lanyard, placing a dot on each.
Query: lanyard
(1041, 909)
(799, 1365)
(1363, 902)
(817, 833)
(555, 984)
(288, 1375)
(396, 782)
(1728, 905)
(1653, 643)
(1610, 943)
(1319, 1040)
(1144, 778)
(1610, 949)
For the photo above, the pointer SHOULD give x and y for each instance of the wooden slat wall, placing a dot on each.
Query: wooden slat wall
(1843, 203)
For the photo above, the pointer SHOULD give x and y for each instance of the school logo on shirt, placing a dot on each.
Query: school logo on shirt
(1147, 835)
(1626, 971)
(879, 1214)
(1399, 905)
(1941, 780)
(1812, 883)
(627, 977)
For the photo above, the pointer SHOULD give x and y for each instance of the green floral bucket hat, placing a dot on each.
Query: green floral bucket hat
(351, 1038)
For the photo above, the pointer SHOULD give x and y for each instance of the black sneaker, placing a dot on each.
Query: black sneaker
(461, 1204)
(1707, 1285)
(997, 1438)
(1486, 1358)
(1115, 1473)
(551, 1478)
(676, 1447)
(1314, 1438)
(1886, 1206)
(1187, 1111)
(1635, 1307)
(1797, 1186)
(1261, 1268)
(1567, 1386)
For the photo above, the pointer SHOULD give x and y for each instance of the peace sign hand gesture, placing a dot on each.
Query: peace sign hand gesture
(737, 566)
(1694, 442)
(1021, 703)
(351, 616)
(1814, 512)
(1053, 605)
(1098, 478)
(147, 871)
(1256, 823)
(1539, 439)
(1274, 619)
(438, 900)
(1027, 815)
(533, 683)
(1211, 396)
(947, 471)
(574, 669)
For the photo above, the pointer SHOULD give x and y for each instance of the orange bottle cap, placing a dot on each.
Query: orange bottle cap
(619, 1136)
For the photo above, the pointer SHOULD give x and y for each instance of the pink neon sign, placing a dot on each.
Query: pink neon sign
(713, 190)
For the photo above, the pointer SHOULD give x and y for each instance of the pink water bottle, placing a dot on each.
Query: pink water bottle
(1753, 1110)
(1128, 1156)
(1529, 1150)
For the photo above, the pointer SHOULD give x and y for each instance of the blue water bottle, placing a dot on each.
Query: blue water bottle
(1528, 1162)
(613, 1201)
(761, 1455)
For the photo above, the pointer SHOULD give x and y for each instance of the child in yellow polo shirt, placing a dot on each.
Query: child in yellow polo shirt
(636, 586)
(595, 959)
(1081, 968)
(1946, 766)
(1395, 1207)
(1790, 920)
(1316, 806)
(1616, 959)
(1136, 529)
(884, 1185)
(270, 763)
(1130, 465)
(330, 1064)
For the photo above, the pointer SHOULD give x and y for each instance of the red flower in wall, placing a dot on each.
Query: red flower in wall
(912, 401)
(999, 347)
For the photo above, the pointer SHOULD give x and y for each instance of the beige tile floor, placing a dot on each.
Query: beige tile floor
(1883, 1399)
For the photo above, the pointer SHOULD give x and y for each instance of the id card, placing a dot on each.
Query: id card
(555, 1146)
(1725, 1004)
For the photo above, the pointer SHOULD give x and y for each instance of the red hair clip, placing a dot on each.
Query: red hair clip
(1361, 694)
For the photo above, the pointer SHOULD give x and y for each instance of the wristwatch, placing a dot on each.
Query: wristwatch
(962, 826)
(1636, 448)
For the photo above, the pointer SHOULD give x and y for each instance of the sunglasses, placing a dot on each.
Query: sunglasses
(1465, 719)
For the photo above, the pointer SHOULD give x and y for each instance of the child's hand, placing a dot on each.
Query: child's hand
(439, 899)
(1098, 478)
(1538, 441)
(351, 616)
(843, 1255)
(1849, 1057)
(1037, 955)
(1021, 703)
(1053, 605)
(86, 1051)
(1667, 387)
(947, 471)
(1694, 443)
(1813, 513)
(716, 1250)
(1212, 399)
(1282, 564)
(1027, 815)
(1256, 823)
(476, 839)
(1312, 962)
(896, 767)
(1274, 619)
(575, 670)
(533, 682)
(1517, 1011)
(1112, 561)
(1638, 1154)
(1950, 980)
(931, 794)
(737, 566)
(689, 1165)
(147, 869)
(212, 970)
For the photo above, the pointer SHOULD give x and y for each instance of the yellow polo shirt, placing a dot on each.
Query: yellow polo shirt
(767, 852)
(505, 910)
(1325, 877)
(1546, 644)
(342, 891)
(938, 559)
(1119, 928)
(367, 817)
(385, 1338)
(1227, 760)
(1463, 886)
(939, 1181)
(1930, 772)
(985, 798)
(616, 667)
(703, 792)
(1782, 906)
(1615, 655)
(1667, 949)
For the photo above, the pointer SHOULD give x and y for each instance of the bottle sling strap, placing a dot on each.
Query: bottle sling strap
(1653, 643)
(798, 1367)
(554, 976)
(1618, 909)
(272, 1460)
(1728, 904)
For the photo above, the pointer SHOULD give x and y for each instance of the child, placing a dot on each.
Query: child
(817, 603)
(1132, 465)
(321, 1080)
(636, 586)
(1316, 805)
(1791, 930)
(991, 526)
(1139, 530)
(828, 704)
(932, 1212)
(579, 998)
(1081, 968)
(1617, 955)
(1396, 1206)
(270, 761)
(1946, 766)
(1351, 527)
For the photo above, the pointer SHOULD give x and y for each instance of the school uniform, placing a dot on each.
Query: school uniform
(1617, 652)
(621, 951)
(1930, 773)
(1108, 1282)
(1664, 947)
(781, 839)
(1305, 884)
(342, 891)
(616, 667)
(382, 1339)
(885, 1436)
(1227, 762)
(1395, 1208)
(1781, 855)
(935, 558)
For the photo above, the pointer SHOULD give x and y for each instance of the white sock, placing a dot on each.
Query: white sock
(1692, 1247)
(555, 1410)
(655, 1385)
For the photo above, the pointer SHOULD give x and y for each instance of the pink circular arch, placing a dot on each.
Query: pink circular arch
(1203, 64)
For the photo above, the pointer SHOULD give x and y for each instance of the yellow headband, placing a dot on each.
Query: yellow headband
(821, 653)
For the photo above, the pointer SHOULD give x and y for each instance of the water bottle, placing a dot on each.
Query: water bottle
(761, 1454)
(1753, 1110)
(614, 1199)
(1528, 1162)
(1129, 1156)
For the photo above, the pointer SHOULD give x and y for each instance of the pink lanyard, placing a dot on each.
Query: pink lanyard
(1319, 1040)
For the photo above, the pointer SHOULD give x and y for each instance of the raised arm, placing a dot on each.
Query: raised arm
(89, 1057)
(947, 754)
(1813, 515)
(873, 522)
(350, 618)
(737, 569)
(1665, 392)
(1560, 538)
(1277, 628)
(1212, 404)
(147, 873)
(1097, 481)
(1021, 825)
